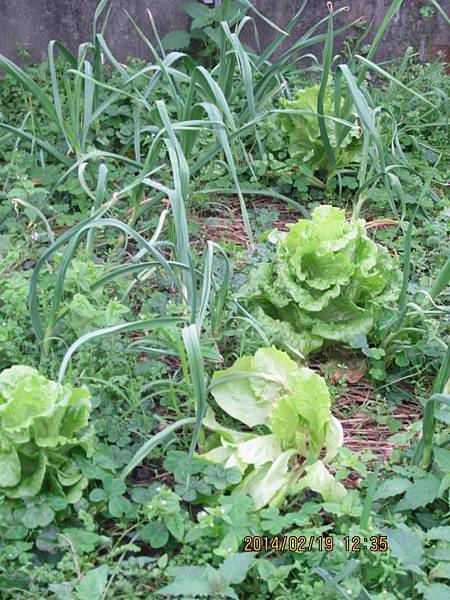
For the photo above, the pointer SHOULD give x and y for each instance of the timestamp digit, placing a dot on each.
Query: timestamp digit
(248, 544)
(383, 543)
(329, 543)
(292, 543)
(301, 547)
(373, 543)
(356, 543)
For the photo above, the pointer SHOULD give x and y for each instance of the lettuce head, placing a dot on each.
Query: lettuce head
(43, 429)
(299, 435)
(299, 133)
(326, 284)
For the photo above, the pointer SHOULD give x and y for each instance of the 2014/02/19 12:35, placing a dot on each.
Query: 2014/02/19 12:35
(300, 543)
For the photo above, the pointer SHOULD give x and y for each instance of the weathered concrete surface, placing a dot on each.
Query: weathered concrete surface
(32, 23)
(408, 27)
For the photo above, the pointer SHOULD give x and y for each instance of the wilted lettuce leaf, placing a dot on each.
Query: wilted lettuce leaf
(326, 284)
(248, 389)
(269, 484)
(320, 480)
(269, 389)
(41, 424)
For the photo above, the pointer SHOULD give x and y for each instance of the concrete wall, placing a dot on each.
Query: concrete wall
(32, 23)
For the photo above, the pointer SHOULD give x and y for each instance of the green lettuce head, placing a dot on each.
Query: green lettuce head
(43, 429)
(326, 284)
(293, 404)
(300, 133)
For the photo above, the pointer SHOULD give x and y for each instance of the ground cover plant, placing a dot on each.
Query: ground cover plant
(224, 349)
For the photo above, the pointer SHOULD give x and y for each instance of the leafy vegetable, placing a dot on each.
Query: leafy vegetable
(269, 389)
(229, 522)
(327, 282)
(300, 133)
(43, 429)
(206, 581)
(165, 517)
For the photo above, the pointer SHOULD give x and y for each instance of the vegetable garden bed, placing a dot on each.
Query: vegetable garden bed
(224, 317)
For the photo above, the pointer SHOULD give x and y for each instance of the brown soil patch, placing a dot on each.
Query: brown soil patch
(231, 227)
(362, 431)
